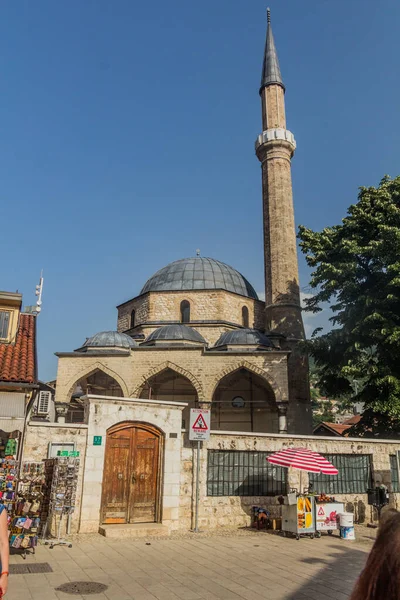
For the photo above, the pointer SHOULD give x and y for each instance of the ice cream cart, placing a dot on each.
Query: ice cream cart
(327, 515)
(298, 518)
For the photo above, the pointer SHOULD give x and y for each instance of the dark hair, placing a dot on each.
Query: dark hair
(380, 578)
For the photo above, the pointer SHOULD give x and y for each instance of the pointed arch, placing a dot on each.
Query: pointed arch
(169, 365)
(86, 372)
(245, 364)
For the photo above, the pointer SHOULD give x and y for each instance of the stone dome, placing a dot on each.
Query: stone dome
(109, 339)
(244, 337)
(174, 333)
(199, 273)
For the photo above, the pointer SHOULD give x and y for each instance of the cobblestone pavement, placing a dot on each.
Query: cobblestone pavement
(239, 566)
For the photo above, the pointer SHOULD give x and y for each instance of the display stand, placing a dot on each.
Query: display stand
(22, 501)
(61, 477)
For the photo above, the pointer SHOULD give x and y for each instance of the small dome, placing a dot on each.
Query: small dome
(244, 337)
(199, 273)
(110, 339)
(175, 333)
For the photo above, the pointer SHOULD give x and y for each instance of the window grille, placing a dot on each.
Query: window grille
(394, 471)
(355, 475)
(243, 473)
(4, 323)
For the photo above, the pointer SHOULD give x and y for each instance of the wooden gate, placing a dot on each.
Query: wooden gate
(131, 480)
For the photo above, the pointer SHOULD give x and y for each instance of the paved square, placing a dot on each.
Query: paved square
(247, 566)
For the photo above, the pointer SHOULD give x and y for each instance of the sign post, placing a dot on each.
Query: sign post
(199, 430)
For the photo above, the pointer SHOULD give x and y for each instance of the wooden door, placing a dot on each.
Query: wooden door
(131, 474)
(145, 476)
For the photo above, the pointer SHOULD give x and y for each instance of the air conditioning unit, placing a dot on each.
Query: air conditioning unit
(43, 406)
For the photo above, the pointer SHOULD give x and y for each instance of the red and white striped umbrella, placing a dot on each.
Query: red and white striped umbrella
(303, 459)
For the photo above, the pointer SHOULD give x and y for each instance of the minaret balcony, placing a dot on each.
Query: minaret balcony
(277, 134)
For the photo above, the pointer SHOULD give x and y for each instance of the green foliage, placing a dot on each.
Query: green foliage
(356, 267)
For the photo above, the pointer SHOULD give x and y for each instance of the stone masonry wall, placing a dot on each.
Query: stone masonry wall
(140, 305)
(234, 511)
(205, 305)
(203, 369)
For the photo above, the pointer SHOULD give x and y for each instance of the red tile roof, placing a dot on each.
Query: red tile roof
(341, 428)
(18, 360)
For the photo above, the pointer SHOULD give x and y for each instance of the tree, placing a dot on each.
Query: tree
(356, 267)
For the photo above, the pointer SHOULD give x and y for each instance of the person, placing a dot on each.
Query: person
(4, 550)
(380, 579)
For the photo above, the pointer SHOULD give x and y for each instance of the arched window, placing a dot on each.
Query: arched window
(133, 319)
(245, 316)
(185, 311)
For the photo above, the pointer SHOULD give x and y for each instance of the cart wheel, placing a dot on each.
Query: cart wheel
(46, 543)
(69, 545)
(330, 532)
(297, 537)
(312, 536)
(319, 534)
(51, 547)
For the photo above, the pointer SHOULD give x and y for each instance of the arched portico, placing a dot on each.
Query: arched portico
(172, 386)
(96, 381)
(244, 401)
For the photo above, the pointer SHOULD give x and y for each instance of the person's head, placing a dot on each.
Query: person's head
(380, 580)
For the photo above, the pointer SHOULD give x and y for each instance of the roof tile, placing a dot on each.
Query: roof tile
(18, 360)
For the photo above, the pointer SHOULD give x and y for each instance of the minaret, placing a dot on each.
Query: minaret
(275, 148)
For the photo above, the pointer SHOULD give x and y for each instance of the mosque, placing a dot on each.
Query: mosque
(196, 335)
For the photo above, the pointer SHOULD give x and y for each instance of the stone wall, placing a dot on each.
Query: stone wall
(234, 511)
(205, 305)
(37, 440)
(203, 369)
(140, 305)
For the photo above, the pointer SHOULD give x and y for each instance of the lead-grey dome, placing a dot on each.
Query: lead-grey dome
(175, 333)
(199, 273)
(110, 339)
(243, 337)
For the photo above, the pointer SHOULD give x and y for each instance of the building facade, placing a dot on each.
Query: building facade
(197, 335)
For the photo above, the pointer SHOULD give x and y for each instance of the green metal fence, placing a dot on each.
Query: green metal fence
(243, 473)
(355, 475)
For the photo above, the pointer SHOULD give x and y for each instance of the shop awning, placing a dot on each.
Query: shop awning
(12, 411)
(12, 404)
(10, 425)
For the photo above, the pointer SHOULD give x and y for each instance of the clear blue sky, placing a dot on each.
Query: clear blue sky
(127, 138)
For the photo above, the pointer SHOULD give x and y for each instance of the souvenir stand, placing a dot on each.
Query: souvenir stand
(299, 509)
(24, 517)
(61, 481)
(327, 512)
(298, 515)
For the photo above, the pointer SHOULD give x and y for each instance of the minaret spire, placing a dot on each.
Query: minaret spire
(275, 148)
(271, 73)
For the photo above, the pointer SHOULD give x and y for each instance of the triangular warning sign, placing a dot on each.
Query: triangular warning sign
(200, 424)
(321, 512)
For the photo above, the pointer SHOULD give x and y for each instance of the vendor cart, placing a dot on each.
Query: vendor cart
(298, 519)
(327, 516)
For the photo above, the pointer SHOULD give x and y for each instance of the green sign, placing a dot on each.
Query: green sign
(97, 440)
(73, 453)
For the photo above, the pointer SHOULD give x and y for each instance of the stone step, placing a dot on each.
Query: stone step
(134, 530)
